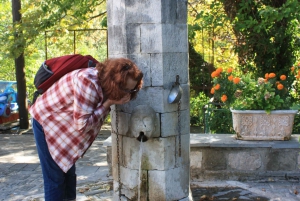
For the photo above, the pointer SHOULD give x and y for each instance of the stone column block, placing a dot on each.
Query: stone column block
(164, 38)
(158, 153)
(157, 98)
(123, 122)
(131, 44)
(165, 67)
(116, 12)
(151, 38)
(154, 11)
(151, 11)
(130, 183)
(119, 44)
(151, 96)
(115, 156)
(134, 41)
(169, 10)
(143, 61)
(175, 38)
(129, 177)
(184, 158)
(169, 123)
(172, 184)
(181, 14)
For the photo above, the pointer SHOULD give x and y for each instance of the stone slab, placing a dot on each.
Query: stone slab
(229, 140)
(222, 157)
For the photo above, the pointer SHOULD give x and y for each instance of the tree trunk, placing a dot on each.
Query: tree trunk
(20, 73)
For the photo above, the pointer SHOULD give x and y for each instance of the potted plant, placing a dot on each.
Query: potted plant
(261, 107)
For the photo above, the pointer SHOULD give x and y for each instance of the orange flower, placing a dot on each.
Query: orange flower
(266, 76)
(224, 98)
(219, 70)
(229, 70)
(236, 80)
(279, 86)
(283, 77)
(217, 87)
(212, 90)
(230, 77)
(272, 75)
(297, 77)
(214, 74)
(293, 69)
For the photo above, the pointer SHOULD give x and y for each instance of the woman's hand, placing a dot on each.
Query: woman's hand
(123, 100)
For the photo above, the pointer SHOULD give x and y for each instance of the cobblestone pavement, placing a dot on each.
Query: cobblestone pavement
(21, 176)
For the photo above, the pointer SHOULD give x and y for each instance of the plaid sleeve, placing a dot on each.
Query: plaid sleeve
(88, 109)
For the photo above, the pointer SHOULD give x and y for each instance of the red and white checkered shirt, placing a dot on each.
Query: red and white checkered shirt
(71, 113)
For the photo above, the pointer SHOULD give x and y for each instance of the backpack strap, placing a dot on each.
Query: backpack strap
(35, 96)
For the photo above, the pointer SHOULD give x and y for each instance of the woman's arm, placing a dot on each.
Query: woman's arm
(110, 102)
(89, 111)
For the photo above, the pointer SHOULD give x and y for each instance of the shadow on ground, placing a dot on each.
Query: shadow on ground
(216, 194)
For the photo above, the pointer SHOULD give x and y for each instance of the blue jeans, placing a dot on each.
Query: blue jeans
(58, 185)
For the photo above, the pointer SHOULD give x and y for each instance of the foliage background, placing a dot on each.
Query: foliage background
(48, 31)
(225, 33)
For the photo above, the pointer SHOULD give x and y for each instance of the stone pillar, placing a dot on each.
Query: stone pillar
(153, 33)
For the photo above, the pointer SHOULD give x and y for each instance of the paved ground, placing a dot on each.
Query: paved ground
(21, 177)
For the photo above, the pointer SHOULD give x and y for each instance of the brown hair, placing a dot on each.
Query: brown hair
(113, 74)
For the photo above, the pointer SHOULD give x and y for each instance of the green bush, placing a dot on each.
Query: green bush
(212, 118)
(218, 119)
(296, 127)
(197, 109)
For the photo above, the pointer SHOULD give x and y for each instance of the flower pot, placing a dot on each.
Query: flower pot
(258, 125)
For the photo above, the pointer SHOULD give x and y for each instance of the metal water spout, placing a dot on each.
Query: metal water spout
(142, 137)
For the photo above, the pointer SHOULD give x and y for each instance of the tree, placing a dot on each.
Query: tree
(267, 34)
(211, 43)
(24, 38)
(19, 66)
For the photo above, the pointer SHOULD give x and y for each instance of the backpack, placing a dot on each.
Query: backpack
(53, 69)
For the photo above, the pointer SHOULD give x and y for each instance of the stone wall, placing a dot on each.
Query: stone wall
(222, 157)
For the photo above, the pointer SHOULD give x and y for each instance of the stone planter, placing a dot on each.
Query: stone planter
(258, 125)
